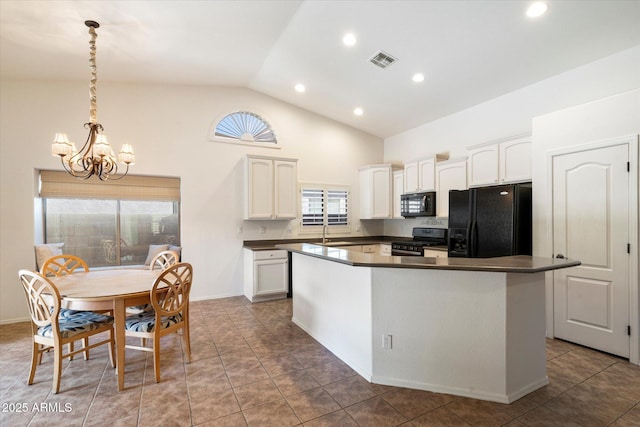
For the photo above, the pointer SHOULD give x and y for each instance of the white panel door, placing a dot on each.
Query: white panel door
(591, 224)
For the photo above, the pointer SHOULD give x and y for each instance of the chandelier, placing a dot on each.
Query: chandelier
(96, 155)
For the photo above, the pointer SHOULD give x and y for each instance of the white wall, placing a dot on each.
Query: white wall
(511, 114)
(168, 127)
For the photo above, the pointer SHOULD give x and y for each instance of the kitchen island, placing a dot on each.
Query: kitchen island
(464, 326)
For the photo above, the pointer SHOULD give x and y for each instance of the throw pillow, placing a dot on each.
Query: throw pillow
(153, 251)
(44, 252)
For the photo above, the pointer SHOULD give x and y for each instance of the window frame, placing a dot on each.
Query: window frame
(228, 140)
(316, 229)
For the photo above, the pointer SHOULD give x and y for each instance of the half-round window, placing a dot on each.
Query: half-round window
(245, 126)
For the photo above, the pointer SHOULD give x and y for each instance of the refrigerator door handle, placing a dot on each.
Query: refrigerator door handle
(472, 238)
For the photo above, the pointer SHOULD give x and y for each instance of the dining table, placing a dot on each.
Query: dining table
(112, 289)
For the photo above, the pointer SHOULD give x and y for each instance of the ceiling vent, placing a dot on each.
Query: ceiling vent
(382, 59)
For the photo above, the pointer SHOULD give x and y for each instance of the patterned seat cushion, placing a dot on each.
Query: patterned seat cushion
(74, 322)
(146, 321)
(137, 309)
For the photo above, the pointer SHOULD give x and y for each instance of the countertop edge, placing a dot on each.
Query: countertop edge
(509, 264)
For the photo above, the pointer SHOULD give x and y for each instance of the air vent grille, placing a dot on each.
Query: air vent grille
(382, 59)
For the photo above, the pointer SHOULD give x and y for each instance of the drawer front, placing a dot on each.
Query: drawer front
(369, 249)
(276, 254)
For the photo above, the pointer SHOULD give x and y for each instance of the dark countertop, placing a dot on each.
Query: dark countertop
(508, 264)
(267, 245)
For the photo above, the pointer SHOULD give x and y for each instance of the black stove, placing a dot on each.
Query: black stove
(422, 237)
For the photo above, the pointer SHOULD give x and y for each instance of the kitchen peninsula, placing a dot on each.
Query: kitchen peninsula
(464, 326)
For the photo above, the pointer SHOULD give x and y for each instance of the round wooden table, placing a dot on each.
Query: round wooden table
(109, 289)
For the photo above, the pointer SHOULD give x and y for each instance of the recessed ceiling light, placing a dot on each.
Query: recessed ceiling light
(536, 9)
(418, 77)
(358, 111)
(300, 88)
(349, 39)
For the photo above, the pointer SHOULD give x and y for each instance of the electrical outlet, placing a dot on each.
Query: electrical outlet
(386, 341)
(263, 229)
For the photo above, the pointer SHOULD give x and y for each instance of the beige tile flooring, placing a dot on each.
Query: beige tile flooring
(252, 366)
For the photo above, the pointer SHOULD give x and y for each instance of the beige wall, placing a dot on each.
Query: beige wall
(168, 127)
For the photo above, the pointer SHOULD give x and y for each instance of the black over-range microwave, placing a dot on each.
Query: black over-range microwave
(418, 204)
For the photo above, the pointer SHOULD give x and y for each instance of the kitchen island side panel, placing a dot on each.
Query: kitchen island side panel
(453, 332)
(332, 303)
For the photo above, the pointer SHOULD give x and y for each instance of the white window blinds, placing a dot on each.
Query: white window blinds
(324, 206)
(132, 187)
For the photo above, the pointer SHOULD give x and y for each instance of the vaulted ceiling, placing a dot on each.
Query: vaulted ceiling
(469, 51)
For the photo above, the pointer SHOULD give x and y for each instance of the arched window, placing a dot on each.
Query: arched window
(245, 126)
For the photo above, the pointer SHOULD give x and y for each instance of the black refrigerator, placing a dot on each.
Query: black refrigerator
(489, 222)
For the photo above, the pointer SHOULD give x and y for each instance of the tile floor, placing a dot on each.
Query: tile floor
(252, 366)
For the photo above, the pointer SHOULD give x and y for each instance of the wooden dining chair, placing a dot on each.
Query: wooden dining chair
(52, 328)
(60, 265)
(170, 312)
(161, 261)
(164, 259)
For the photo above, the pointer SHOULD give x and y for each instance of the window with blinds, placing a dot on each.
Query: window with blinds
(112, 222)
(321, 205)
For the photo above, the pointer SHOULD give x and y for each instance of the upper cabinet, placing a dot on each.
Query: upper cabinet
(376, 191)
(270, 188)
(421, 175)
(450, 175)
(501, 162)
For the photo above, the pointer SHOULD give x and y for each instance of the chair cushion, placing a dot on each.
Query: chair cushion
(74, 322)
(146, 321)
(137, 309)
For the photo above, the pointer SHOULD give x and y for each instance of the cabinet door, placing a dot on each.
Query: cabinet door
(385, 249)
(398, 189)
(515, 161)
(411, 178)
(482, 166)
(449, 176)
(427, 175)
(259, 189)
(381, 194)
(285, 183)
(270, 276)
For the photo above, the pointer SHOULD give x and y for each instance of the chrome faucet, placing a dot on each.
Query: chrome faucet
(324, 233)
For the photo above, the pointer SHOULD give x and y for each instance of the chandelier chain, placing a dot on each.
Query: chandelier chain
(93, 107)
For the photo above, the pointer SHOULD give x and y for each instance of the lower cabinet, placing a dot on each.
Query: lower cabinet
(266, 274)
(432, 253)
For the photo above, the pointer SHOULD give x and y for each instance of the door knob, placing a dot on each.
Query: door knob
(560, 256)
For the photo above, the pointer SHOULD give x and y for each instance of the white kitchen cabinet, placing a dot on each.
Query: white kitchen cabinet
(482, 165)
(270, 188)
(450, 175)
(421, 175)
(385, 249)
(515, 160)
(376, 191)
(266, 274)
(502, 162)
(398, 189)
